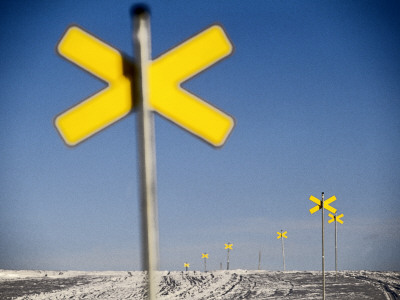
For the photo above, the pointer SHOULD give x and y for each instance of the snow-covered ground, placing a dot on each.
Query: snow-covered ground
(233, 284)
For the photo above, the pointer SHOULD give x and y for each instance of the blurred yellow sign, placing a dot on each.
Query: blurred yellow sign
(319, 204)
(186, 265)
(170, 70)
(204, 255)
(166, 74)
(283, 235)
(228, 246)
(105, 107)
(335, 218)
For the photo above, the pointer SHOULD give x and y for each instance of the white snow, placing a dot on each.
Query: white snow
(233, 284)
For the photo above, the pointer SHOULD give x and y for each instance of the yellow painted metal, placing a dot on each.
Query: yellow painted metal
(332, 218)
(204, 255)
(338, 218)
(319, 204)
(228, 246)
(327, 206)
(167, 73)
(107, 106)
(283, 235)
(186, 265)
(165, 76)
(315, 200)
(315, 209)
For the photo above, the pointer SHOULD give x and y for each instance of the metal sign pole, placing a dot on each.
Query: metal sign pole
(283, 251)
(205, 264)
(259, 260)
(335, 245)
(323, 251)
(146, 148)
(227, 261)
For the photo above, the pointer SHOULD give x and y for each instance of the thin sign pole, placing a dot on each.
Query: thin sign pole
(205, 264)
(335, 244)
(259, 260)
(146, 148)
(283, 251)
(323, 251)
(227, 263)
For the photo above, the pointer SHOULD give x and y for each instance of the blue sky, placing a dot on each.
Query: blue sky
(313, 87)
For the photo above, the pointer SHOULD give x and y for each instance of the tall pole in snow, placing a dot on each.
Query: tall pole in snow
(205, 256)
(283, 251)
(322, 204)
(227, 261)
(323, 251)
(146, 147)
(335, 218)
(229, 247)
(335, 244)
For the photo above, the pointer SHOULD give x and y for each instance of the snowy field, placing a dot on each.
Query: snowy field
(233, 284)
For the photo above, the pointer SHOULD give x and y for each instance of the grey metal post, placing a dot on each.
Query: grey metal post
(335, 245)
(259, 259)
(283, 251)
(323, 251)
(227, 261)
(146, 147)
(205, 264)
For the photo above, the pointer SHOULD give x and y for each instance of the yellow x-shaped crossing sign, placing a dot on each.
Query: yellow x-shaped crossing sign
(319, 204)
(204, 255)
(283, 235)
(186, 265)
(228, 246)
(335, 218)
(165, 76)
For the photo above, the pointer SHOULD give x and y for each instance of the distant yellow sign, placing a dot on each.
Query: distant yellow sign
(186, 265)
(283, 235)
(166, 74)
(335, 218)
(228, 246)
(319, 204)
(204, 255)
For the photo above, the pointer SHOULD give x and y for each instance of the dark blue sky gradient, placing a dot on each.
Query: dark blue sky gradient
(313, 87)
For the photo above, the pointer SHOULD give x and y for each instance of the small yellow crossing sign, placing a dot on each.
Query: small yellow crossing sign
(335, 218)
(204, 255)
(319, 204)
(186, 265)
(283, 235)
(165, 76)
(228, 246)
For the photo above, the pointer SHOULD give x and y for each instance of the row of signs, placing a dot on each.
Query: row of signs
(205, 255)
